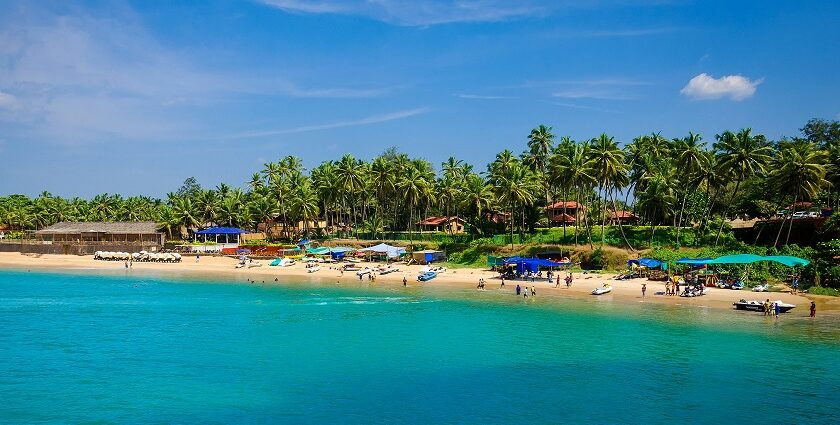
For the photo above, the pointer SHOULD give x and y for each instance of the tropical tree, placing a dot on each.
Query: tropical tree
(741, 155)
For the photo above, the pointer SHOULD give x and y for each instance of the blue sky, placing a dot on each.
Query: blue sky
(133, 97)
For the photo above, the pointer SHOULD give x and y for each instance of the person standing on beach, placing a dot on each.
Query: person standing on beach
(196, 258)
(405, 282)
(813, 309)
(518, 289)
(644, 289)
(503, 283)
(557, 285)
(777, 309)
(767, 307)
(533, 291)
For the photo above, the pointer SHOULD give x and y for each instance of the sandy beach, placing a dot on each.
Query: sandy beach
(624, 291)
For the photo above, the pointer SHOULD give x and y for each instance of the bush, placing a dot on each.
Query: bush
(601, 259)
(820, 290)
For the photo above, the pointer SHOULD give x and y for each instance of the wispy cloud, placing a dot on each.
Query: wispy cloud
(418, 12)
(706, 87)
(376, 119)
(591, 93)
(481, 96)
(585, 107)
(7, 101)
(587, 82)
(87, 77)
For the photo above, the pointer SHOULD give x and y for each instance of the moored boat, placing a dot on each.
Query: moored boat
(754, 305)
(426, 276)
(602, 290)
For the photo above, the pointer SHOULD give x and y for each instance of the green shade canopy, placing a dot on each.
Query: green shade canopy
(752, 258)
(318, 251)
(788, 260)
(737, 259)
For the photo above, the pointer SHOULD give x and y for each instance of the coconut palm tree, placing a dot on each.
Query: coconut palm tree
(304, 205)
(611, 171)
(743, 155)
(477, 197)
(689, 155)
(799, 168)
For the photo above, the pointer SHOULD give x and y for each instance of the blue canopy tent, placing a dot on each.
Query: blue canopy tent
(226, 232)
(338, 253)
(530, 264)
(645, 262)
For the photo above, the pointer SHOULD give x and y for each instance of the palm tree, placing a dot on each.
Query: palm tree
(184, 213)
(611, 171)
(540, 144)
(477, 197)
(516, 185)
(305, 205)
(689, 155)
(414, 188)
(743, 155)
(800, 169)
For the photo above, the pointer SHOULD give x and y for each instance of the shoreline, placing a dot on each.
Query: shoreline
(625, 292)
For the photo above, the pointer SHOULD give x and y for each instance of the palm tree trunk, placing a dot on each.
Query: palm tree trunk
(790, 227)
(652, 227)
(565, 212)
(726, 210)
(620, 226)
(603, 208)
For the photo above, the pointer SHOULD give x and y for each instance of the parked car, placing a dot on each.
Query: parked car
(800, 214)
(813, 214)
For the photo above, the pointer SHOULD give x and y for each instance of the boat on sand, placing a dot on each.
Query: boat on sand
(602, 290)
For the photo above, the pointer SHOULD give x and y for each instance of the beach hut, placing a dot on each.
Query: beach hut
(228, 237)
(428, 256)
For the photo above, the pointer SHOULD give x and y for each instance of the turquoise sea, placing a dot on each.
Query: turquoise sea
(111, 348)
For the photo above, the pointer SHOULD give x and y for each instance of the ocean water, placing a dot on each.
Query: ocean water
(143, 349)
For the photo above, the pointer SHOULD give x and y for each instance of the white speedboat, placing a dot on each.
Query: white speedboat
(761, 288)
(312, 269)
(602, 290)
(364, 271)
(388, 269)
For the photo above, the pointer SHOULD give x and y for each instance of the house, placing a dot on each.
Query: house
(451, 225)
(623, 217)
(99, 232)
(565, 212)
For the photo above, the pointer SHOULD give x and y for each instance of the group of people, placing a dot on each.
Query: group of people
(568, 279)
(524, 291)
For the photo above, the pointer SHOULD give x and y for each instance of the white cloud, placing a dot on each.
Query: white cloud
(376, 119)
(706, 87)
(417, 12)
(7, 101)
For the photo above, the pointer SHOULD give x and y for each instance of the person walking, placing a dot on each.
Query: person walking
(518, 289)
(813, 309)
(533, 291)
(569, 280)
(777, 309)
(405, 282)
(644, 289)
(767, 307)
(557, 285)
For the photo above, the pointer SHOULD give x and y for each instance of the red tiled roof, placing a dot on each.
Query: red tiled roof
(563, 218)
(622, 214)
(436, 221)
(565, 204)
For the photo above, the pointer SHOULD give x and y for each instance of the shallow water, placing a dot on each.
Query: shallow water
(80, 348)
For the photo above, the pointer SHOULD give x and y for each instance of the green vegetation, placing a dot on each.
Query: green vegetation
(678, 192)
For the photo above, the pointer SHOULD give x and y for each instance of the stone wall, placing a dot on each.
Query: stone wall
(73, 249)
